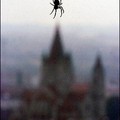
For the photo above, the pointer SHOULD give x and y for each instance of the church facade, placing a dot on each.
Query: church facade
(59, 97)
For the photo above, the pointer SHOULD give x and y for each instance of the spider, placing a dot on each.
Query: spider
(57, 5)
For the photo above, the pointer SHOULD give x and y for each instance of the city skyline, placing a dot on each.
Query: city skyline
(83, 47)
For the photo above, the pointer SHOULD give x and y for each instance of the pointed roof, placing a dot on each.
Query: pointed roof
(57, 48)
(98, 63)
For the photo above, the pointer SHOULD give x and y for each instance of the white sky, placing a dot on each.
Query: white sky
(84, 12)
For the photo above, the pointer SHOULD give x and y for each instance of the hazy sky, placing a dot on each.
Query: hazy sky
(84, 12)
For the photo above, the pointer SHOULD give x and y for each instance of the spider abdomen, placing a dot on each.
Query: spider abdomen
(56, 7)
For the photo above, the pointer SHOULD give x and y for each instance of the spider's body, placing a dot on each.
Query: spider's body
(57, 5)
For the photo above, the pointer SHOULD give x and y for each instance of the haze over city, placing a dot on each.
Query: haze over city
(83, 45)
(63, 68)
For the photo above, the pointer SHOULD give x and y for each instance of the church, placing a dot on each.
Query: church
(59, 96)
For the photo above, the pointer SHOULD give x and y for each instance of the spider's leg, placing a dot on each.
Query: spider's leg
(52, 11)
(61, 3)
(61, 10)
(51, 4)
(55, 14)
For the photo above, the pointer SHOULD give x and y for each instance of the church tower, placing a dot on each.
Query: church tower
(98, 90)
(57, 66)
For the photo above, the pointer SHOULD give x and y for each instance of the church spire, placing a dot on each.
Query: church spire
(98, 89)
(98, 64)
(57, 48)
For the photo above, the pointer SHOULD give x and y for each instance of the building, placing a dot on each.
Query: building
(57, 67)
(59, 97)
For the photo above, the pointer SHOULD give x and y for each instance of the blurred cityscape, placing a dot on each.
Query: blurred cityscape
(61, 73)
